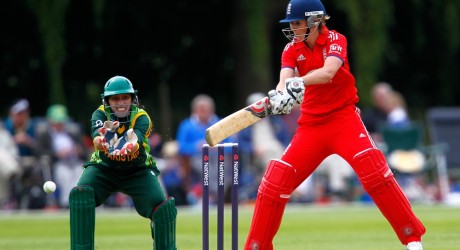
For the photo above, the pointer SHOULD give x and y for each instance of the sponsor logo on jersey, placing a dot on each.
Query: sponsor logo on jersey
(301, 57)
(99, 123)
(335, 48)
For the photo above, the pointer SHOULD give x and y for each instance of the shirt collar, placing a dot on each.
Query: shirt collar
(321, 40)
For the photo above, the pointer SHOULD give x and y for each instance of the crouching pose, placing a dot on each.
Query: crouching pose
(121, 162)
(329, 123)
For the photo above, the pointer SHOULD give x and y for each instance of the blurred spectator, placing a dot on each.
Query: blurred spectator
(28, 188)
(22, 127)
(172, 180)
(333, 180)
(156, 144)
(389, 108)
(61, 139)
(407, 163)
(190, 138)
(9, 169)
(396, 111)
(258, 144)
(376, 115)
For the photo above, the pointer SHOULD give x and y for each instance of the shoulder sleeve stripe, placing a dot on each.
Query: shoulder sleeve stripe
(140, 113)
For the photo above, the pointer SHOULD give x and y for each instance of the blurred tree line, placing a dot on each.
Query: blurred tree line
(64, 51)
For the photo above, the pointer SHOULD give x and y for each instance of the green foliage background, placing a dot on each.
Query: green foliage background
(64, 51)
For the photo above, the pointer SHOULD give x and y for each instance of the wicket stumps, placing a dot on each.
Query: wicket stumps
(220, 194)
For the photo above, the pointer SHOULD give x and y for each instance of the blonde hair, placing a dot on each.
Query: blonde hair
(323, 22)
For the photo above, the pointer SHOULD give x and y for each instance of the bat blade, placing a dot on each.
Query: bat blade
(238, 121)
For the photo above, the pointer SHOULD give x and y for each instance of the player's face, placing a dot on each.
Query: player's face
(120, 104)
(299, 28)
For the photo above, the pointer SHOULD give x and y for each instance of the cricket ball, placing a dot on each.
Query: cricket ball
(49, 187)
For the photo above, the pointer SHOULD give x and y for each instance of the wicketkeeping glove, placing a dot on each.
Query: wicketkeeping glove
(108, 134)
(295, 87)
(126, 145)
(281, 103)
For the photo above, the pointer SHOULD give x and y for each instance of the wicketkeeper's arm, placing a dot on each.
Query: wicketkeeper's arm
(127, 144)
(107, 136)
(97, 143)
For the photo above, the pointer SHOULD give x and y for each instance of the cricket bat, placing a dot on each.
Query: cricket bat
(238, 121)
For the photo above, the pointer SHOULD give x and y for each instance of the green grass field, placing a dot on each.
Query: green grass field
(351, 227)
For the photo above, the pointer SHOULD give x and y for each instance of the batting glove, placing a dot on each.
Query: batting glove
(295, 87)
(281, 103)
(108, 134)
(126, 145)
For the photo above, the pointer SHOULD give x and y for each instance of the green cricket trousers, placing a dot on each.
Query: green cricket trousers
(141, 184)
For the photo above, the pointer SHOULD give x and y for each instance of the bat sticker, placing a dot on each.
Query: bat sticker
(260, 108)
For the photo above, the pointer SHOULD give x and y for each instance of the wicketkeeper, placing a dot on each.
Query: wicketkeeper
(329, 123)
(121, 162)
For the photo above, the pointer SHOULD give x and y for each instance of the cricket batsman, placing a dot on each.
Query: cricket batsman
(329, 123)
(121, 162)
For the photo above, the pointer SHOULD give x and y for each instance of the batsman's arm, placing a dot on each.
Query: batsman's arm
(323, 75)
(238, 121)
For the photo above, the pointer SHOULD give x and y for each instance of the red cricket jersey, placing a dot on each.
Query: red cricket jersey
(322, 99)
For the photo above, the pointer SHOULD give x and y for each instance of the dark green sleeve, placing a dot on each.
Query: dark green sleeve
(97, 121)
(143, 127)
